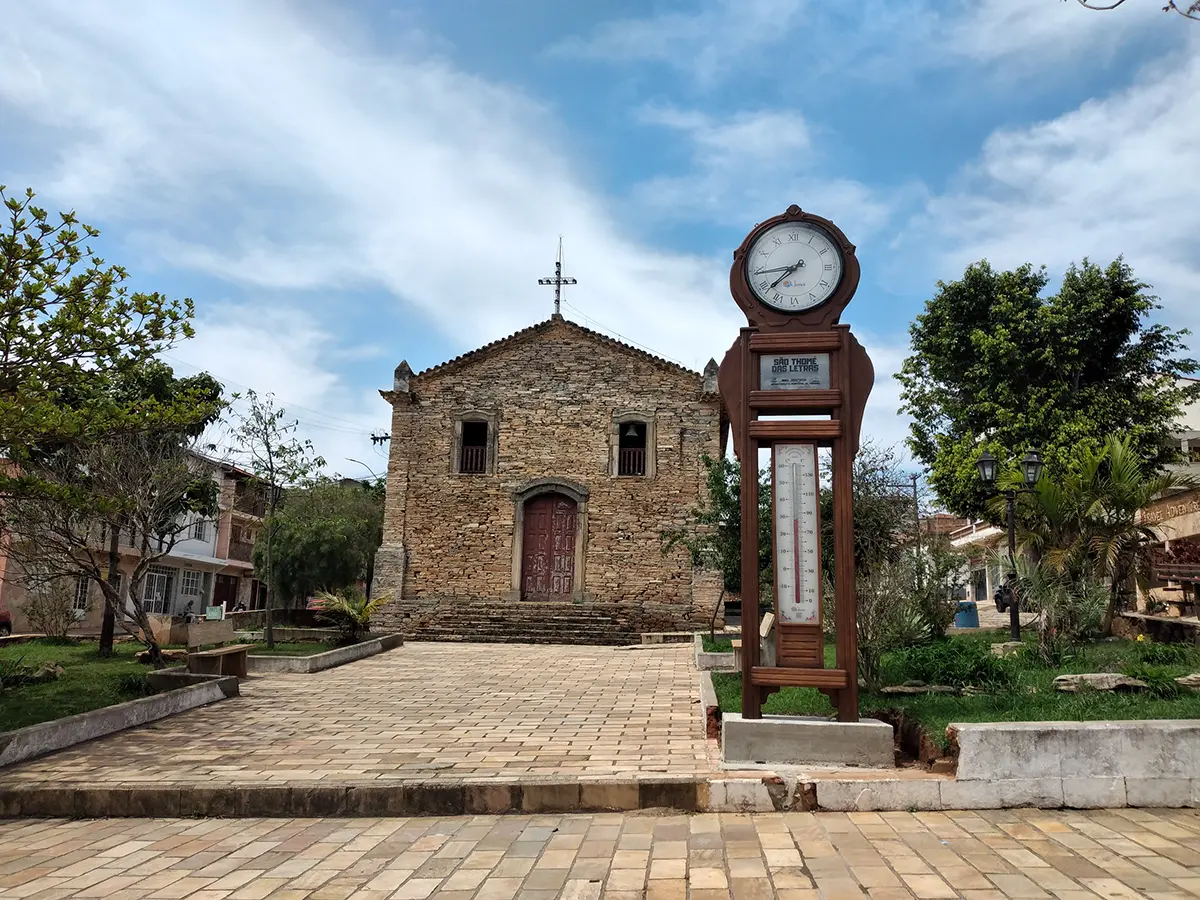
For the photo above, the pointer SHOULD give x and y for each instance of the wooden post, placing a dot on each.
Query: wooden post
(748, 452)
(846, 597)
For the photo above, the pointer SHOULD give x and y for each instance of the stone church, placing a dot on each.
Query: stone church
(529, 483)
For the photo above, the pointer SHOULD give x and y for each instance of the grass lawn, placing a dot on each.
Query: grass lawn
(1031, 697)
(718, 645)
(88, 682)
(307, 648)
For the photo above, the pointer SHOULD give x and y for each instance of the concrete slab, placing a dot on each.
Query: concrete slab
(806, 740)
(1153, 748)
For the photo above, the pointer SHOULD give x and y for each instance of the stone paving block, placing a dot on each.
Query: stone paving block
(847, 796)
(370, 800)
(526, 712)
(101, 802)
(208, 802)
(617, 795)
(48, 802)
(550, 797)
(483, 799)
(738, 795)
(154, 802)
(680, 794)
(1093, 793)
(433, 799)
(1042, 793)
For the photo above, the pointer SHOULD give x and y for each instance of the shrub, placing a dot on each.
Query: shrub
(50, 608)
(1160, 680)
(1070, 613)
(1160, 654)
(14, 673)
(953, 661)
(135, 684)
(349, 611)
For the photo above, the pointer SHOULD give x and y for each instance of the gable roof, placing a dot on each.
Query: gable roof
(542, 327)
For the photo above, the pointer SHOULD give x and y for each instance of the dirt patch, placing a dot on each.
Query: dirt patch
(914, 746)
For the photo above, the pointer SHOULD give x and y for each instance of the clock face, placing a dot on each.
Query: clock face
(794, 266)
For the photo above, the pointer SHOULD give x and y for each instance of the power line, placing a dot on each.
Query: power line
(602, 327)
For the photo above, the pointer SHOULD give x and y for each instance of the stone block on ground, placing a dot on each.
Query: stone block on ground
(806, 740)
(1099, 681)
(1007, 648)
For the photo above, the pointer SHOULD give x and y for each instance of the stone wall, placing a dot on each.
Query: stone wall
(553, 392)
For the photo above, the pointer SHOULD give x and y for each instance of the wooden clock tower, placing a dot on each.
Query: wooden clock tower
(795, 381)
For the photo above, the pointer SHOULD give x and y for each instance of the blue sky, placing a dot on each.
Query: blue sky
(339, 186)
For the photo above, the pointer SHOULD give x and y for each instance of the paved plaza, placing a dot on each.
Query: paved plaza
(422, 711)
(1017, 854)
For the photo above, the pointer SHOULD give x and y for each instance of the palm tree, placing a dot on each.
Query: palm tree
(1084, 525)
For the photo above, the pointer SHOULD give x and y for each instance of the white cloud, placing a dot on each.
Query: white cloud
(286, 353)
(707, 44)
(275, 151)
(1109, 178)
(742, 164)
(1037, 33)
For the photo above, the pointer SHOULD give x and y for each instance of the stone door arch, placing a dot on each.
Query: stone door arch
(549, 534)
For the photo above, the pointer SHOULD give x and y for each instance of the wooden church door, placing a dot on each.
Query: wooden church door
(548, 548)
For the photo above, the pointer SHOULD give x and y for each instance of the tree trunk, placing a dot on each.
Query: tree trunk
(108, 624)
(269, 618)
(712, 625)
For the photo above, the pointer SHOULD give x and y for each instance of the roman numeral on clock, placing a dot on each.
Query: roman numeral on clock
(828, 267)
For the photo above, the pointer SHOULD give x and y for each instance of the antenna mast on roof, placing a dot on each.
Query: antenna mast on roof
(558, 281)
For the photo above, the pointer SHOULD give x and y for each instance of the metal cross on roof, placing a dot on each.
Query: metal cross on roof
(558, 281)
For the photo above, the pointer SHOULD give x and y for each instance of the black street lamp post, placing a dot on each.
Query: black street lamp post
(1031, 471)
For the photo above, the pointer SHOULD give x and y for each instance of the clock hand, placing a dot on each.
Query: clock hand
(790, 270)
(765, 271)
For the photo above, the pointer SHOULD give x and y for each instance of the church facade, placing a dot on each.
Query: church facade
(530, 481)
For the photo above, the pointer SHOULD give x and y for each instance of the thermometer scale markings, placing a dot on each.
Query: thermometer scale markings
(797, 554)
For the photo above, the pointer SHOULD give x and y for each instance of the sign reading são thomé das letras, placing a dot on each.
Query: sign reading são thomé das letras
(809, 371)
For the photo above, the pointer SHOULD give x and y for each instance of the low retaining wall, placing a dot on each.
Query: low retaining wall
(304, 665)
(1143, 748)
(38, 740)
(706, 661)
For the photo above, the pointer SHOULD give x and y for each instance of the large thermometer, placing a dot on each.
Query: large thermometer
(797, 535)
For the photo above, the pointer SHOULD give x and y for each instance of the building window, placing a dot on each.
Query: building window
(82, 585)
(191, 583)
(473, 449)
(631, 441)
(258, 594)
(199, 530)
(473, 458)
(156, 590)
(631, 449)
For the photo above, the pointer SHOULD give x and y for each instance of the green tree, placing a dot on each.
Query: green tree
(325, 538)
(883, 510)
(996, 364)
(70, 328)
(712, 531)
(1083, 526)
(278, 460)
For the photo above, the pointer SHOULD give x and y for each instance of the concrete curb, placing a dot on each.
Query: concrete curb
(429, 798)
(766, 793)
(710, 709)
(706, 661)
(38, 740)
(306, 665)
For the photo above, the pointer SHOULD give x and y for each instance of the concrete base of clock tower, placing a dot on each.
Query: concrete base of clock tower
(806, 741)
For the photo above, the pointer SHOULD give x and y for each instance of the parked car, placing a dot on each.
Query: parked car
(5, 622)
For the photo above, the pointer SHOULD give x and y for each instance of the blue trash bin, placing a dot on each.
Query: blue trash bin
(966, 615)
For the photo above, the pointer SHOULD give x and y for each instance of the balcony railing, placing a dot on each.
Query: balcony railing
(474, 461)
(631, 461)
(241, 550)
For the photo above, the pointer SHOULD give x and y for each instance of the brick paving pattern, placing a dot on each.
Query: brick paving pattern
(1017, 854)
(422, 711)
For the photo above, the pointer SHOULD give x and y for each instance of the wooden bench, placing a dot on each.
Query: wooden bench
(221, 660)
(766, 648)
